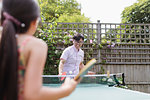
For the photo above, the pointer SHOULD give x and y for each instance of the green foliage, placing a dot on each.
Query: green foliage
(52, 9)
(52, 61)
(73, 18)
(137, 13)
(70, 7)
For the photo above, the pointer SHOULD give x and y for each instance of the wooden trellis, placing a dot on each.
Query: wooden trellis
(131, 41)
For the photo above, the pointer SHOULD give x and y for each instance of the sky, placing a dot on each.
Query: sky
(107, 11)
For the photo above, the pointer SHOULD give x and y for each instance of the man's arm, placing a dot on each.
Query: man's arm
(61, 66)
(81, 65)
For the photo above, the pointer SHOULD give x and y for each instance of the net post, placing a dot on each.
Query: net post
(123, 81)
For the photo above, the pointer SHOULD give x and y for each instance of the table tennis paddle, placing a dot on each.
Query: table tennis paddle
(62, 78)
(86, 68)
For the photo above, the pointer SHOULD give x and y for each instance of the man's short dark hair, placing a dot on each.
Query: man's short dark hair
(78, 36)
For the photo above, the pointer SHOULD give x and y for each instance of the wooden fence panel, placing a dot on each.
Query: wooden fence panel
(135, 75)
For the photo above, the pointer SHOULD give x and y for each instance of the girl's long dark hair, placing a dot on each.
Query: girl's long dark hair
(8, 62)
(24, 11)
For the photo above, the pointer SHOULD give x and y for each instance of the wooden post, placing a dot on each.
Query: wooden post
(99, 39)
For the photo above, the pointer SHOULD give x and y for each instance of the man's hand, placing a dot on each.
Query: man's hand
(81, 65)
(91, 73)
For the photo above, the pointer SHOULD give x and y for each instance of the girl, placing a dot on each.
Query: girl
(22, 56)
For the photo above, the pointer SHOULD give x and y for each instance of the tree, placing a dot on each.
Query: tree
(52, 9)
(137, 13)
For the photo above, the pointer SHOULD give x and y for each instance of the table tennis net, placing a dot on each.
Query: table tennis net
(110, 80)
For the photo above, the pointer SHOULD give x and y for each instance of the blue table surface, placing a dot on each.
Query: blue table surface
(103, 92)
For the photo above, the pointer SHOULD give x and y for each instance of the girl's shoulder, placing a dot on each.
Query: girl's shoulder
(36, 43)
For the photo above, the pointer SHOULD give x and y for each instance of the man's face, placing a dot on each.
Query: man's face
(78, 44)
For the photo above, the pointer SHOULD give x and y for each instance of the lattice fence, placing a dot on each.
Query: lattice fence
(89, 30)
(131, 43)
(121, 43)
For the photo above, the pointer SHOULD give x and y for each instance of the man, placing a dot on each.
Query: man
(71, 60)
(72, 57)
